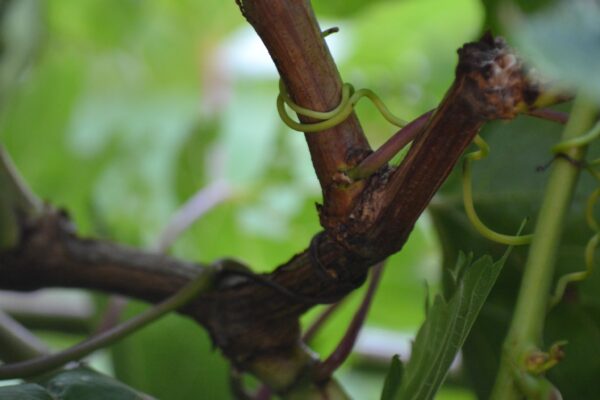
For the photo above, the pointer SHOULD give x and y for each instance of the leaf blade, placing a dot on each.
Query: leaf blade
(444, 331)
(80, 383)
(393, 379)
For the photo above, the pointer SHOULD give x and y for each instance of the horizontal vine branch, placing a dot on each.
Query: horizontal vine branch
(50, 254)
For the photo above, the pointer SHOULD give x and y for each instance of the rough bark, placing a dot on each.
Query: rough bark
(365, 221)
(293, 37)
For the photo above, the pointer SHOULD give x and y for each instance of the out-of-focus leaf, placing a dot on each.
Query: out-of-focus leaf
(141, 176)
(507, 188)
(20, 34)
(250, 122)
(171, 359)
(85, 384)
(493, 11)
(25, 391)
(393, 379)
(342, 8)
(563, 41)
(446, 328)
(578, 371)
(79, 383)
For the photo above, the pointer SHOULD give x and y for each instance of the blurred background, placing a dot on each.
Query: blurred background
(122, 110)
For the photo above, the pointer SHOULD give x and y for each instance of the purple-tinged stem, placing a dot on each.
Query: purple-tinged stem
(342, 351)
(112, 313)
(550, 115)
(389, 149)
(17, 343)
(203, 201)
(318, 323)
(263, 393)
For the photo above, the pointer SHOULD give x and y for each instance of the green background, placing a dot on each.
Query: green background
(126, 109)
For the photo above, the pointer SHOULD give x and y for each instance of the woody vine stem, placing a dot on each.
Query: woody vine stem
(362, 220)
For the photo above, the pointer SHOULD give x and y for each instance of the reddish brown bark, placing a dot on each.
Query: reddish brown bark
(255, 325)
(293, 37)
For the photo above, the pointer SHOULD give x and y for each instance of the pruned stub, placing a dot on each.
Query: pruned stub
(502, 84)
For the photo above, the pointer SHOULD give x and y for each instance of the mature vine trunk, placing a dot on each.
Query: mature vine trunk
(364, 221)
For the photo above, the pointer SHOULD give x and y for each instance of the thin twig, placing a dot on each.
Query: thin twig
(550, 115)
(17, 343)
(42, 364)
(390, 148)
(13, 186)
(203, 201)
(49, 312)
(16, 202)
(111, 315)
(344, 348)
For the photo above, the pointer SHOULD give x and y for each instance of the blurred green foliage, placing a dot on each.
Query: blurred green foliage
(563, 42)
(127, 108)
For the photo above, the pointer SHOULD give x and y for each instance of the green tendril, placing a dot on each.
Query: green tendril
(590, 251)
(35, 366)
(592, 244)
(589, 210)
(583, 140)
(482, 152)
(329, 119)
(561, 285)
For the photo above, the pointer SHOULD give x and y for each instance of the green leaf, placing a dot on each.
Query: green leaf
(171, 359)
(79, 383)
(393, 379)
(446, 328)
(25, 391)
(85, 384)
